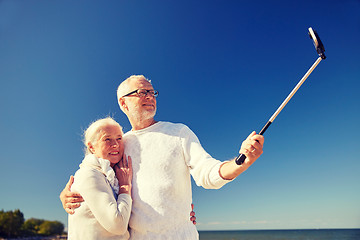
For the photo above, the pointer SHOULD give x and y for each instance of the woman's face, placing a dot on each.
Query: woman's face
(109, 145)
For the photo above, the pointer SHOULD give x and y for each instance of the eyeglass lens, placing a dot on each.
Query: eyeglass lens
(144, 92)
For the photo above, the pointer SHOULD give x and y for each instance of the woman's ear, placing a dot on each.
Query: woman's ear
(91, 148)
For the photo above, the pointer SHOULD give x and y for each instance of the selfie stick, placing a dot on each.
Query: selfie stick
(320, 50)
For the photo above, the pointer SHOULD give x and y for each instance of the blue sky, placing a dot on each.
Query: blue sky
(221, 67)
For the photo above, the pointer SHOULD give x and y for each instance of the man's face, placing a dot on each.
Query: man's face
(141, 108)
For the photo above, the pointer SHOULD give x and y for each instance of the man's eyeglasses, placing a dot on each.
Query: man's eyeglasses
(143, 93)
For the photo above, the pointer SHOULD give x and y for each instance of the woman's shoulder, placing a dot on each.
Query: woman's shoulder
(87, 178)
(87, 174)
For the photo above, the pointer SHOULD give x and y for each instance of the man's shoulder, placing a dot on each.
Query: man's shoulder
(173, 127)
(172, 124)
(161, 127)
(176, 129)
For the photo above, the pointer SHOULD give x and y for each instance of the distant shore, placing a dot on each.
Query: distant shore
(296, 234)
(38, 238)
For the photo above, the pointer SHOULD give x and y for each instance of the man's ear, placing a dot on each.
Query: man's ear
(122, 104)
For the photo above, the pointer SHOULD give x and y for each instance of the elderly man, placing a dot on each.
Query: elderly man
(164, 155)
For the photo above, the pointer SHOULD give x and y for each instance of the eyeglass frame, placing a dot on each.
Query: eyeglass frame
(156, 93)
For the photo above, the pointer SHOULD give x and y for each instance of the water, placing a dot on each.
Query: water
(321, 234)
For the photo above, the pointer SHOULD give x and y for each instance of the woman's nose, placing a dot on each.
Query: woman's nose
(114, 144)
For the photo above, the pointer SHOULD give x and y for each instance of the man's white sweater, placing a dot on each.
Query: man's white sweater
(163, 156)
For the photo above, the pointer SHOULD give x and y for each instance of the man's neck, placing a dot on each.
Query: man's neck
(138, 125)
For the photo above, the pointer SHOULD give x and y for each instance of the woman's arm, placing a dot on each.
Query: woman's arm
(111, 214)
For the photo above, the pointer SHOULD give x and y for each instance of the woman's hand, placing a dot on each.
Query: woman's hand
(123, 171)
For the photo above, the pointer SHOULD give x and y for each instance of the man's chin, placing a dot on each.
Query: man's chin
(144, 115)
(149, 114)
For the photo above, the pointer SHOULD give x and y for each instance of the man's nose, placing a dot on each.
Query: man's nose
(149, 95)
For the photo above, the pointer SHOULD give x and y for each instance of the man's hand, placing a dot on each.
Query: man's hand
(70, 200)
(252, 147)
(192, 214)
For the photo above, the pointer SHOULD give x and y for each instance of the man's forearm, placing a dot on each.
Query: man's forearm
(252, 148)
(230, 170)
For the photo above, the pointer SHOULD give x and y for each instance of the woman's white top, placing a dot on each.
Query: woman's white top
(103, 215)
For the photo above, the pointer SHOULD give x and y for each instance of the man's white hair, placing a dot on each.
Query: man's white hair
(123, 88)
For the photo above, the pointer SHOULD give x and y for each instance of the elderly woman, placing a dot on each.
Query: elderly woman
(104, 182)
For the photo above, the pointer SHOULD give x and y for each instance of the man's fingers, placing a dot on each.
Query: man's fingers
(192, 214)
(70, 211)
(248, 147)
(73, 195)
(253, 133)
(70, 207)
(73, 199)
(256, 137)
(257, 145)
(259, 138)
(254, 141)
(70, 182)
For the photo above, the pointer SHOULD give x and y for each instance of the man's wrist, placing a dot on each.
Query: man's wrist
(230, 170)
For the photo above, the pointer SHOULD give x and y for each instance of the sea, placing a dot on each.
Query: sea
(313, 234)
